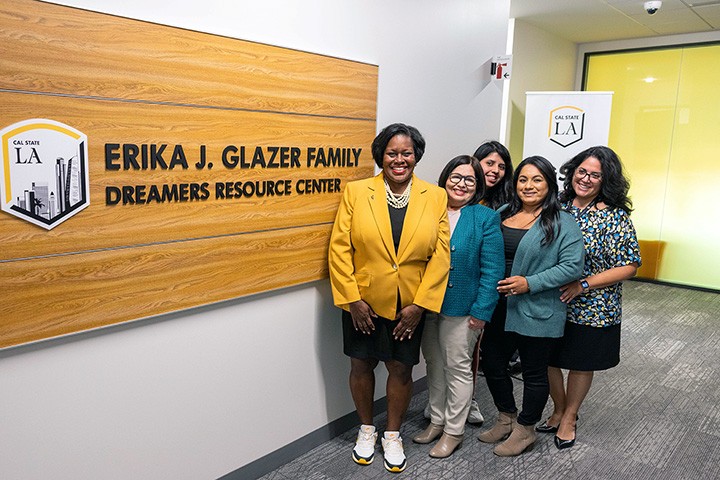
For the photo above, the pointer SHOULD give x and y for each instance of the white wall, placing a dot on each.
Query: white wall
(542, 61)
(201, 393)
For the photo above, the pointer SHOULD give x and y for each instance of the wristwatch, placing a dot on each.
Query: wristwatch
(584, 285)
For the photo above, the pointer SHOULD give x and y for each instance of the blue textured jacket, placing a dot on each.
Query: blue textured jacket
(540, 313)
(477, 263)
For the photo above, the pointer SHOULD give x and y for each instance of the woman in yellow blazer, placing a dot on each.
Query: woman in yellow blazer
(388, 261)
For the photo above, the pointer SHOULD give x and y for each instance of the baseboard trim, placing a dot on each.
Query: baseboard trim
(291, 451)
(676, 285)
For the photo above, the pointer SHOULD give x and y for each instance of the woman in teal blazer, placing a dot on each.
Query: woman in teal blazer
(449, 339)
(543, 251)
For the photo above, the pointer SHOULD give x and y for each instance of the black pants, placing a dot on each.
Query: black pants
(497, 348)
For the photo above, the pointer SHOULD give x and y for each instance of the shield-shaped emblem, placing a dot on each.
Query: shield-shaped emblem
(44, 171)
(566, 125)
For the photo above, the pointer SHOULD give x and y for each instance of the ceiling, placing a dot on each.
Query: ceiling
(583, 21)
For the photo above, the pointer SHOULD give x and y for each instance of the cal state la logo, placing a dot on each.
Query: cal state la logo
(44, 171)
(566, 125)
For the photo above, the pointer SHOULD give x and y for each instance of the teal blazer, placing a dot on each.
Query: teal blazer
(477, 263)
(540, 313)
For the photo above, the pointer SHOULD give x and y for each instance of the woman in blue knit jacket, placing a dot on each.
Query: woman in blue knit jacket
(476, 265)
(543, 251)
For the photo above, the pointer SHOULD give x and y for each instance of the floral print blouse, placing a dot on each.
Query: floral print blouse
(610, 241)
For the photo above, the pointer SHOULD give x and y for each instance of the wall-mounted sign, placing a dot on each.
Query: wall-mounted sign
(148, 169)
(501, 67)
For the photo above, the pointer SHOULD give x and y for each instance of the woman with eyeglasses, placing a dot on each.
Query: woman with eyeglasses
(543, 251)
(596, 194)
(497, 172)
(476, 265)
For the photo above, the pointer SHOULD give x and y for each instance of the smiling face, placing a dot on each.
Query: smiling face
(587, 179)
(399, 162)
(532, 188)
(460, 186)
(494, 167)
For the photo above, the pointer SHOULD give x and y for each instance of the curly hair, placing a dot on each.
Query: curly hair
(614, 186)
(499, 194)
(550, 213)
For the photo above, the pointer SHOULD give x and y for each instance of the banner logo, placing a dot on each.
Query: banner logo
(566, 125)
(44, 171)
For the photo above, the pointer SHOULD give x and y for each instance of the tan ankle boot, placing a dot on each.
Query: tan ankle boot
(446, 445)
(522, 438)
(502, 428)
(429, 434)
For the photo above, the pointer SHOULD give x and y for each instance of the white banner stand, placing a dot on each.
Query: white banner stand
(559, 125)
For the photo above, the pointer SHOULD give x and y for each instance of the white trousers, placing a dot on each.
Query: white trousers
(447, 345)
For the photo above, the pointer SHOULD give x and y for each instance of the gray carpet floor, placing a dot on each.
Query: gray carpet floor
(655, 416)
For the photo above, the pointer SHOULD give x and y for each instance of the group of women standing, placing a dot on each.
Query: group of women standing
(490, 256)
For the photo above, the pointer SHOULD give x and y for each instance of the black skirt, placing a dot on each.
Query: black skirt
(380, 344)
(587, 349)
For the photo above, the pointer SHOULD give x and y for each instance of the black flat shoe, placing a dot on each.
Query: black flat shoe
(563, 444)
(545, 428)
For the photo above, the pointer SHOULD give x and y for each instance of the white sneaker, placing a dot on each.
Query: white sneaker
(474, 415)
(364, 451)
(393, 452)
(426, 412)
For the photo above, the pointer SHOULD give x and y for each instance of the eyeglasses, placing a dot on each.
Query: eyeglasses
(469, 180)
(581, 173)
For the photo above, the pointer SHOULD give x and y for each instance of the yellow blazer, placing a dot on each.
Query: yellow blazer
(362, 259)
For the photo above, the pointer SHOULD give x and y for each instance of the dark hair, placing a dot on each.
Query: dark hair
(499, 194)
(614, 186)
(465, 160)
(550, 213)
(383, 138)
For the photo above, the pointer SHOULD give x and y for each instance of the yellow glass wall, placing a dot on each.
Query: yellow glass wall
(665, 126)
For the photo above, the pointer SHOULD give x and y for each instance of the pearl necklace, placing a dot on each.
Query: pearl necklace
(398, 201)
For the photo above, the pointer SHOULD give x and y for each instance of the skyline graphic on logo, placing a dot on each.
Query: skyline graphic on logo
(44, 171)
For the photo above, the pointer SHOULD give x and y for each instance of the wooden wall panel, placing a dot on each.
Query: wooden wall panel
(103, 226)
(69, 51)
(45, 297)
(122, 81)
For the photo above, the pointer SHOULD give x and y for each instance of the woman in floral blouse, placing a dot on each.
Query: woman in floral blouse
(595, 193)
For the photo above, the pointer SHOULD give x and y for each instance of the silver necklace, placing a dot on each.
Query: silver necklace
(398, 201)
